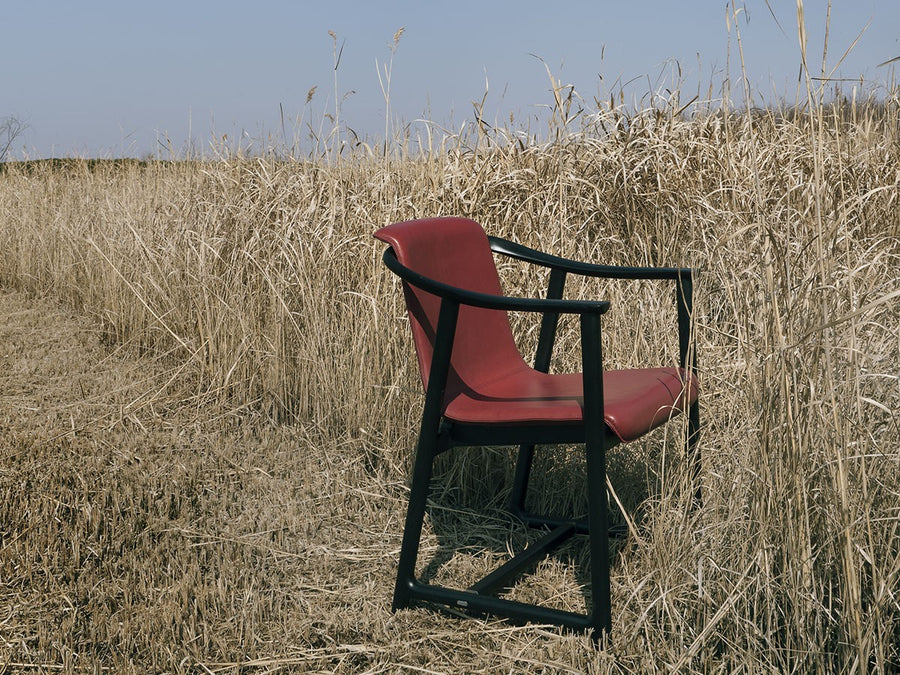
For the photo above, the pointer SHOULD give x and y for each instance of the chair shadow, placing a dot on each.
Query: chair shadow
(476, 520)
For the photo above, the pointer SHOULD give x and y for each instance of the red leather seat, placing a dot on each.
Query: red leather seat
(634, 401)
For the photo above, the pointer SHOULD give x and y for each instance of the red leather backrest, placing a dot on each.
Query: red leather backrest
(455, 251)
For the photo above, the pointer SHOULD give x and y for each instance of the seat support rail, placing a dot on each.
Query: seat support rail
(532, 554)
(517, 611)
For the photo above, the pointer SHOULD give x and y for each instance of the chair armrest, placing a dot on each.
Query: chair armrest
(488, 301)
(683, 277)
(519, 252)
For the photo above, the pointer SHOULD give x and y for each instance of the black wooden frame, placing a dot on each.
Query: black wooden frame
(438, 434)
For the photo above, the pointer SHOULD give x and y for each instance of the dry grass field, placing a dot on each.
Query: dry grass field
(209, 401)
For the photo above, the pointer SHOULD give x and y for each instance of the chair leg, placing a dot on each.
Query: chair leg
(415, 517)
(520, 481)
(428, 446)
(692, 452)
(595, 437)
(598, 526)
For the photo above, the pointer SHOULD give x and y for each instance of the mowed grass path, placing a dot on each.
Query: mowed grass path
(143, 529)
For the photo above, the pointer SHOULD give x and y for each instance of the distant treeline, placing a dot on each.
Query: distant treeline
(77, 164)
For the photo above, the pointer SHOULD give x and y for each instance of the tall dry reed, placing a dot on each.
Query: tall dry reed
(260, 277)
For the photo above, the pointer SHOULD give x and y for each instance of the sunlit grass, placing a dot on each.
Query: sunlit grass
(256, 281)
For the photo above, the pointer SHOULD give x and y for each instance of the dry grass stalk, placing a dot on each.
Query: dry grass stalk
(256, 282)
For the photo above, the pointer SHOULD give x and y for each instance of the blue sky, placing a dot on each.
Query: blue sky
(107, 79)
